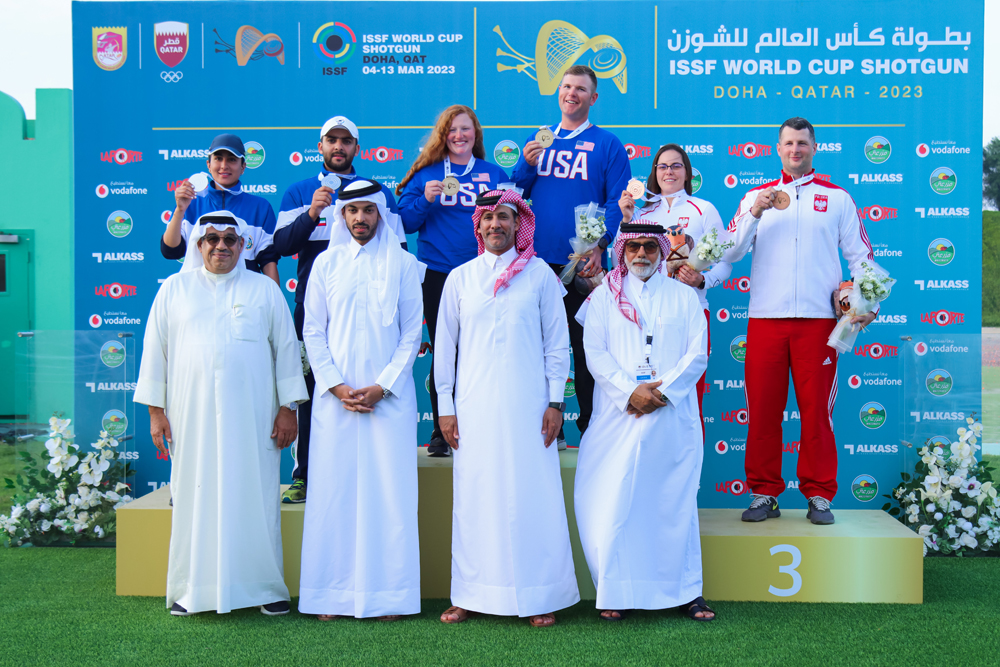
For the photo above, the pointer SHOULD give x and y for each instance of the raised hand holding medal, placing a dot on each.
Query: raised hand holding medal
(545, 137)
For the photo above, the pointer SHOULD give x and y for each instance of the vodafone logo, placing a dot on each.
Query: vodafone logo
(95, 321)
(854, 381)
(101, 191)
(731, 181)
(722, 315)
(721, 447)
(165, 216)
(920, 349)
(291, 284)
(923, 150)
(295, 158)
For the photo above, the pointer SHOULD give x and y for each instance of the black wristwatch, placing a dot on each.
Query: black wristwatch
(703, 281)
(558, 406)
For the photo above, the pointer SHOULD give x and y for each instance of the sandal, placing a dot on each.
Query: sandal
(622, 615)
(695, 606)
(538, 620)
(463, 614)
(330, 617)
(389, 618)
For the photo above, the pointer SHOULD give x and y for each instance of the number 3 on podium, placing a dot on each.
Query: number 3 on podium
(789, 570)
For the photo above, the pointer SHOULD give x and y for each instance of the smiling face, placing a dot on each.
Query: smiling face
(220, 249)
(670, 172)
(362, 220)
(461, 138)
(642, 256)
(498, 228)
(576, 96)
(796, 149)
(226, 168)
(339, 149)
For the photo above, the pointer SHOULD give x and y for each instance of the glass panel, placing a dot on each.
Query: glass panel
(3, 273)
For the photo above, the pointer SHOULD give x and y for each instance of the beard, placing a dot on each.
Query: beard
(642, 269)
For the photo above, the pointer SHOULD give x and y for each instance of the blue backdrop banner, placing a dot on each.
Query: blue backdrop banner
(893, 88)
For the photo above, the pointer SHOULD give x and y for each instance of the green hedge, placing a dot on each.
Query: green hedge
(991, 268)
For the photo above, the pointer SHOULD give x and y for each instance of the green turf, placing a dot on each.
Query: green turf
(58, 607)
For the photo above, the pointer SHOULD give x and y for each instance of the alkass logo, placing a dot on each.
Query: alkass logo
(942, 284)
(750, 150)
(115, 290)
(636, 151)
(876, 213)
(736, 487)
(699, 149)
(741, 416)
(876, 351)
(381, 154)
(121, 156)
(943, 212)
(943, 318)
(741, 284)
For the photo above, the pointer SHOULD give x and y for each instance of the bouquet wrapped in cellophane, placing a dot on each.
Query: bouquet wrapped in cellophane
(708, 251)
(859, 297)
(590, 228)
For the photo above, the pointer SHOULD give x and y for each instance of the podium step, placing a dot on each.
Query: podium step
(866, 556)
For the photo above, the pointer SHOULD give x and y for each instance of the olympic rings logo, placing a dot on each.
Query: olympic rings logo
(171, 77)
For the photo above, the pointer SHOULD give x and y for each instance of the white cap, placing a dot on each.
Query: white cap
(339, 121)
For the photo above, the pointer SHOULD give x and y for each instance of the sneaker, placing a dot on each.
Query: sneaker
(762, 507)
(296, 493)
(819, 511)
(561, 445)
(279, 608)
(438, 447)
(177, 610)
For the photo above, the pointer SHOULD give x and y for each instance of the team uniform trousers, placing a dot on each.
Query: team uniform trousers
(775, 346)
(304, 410)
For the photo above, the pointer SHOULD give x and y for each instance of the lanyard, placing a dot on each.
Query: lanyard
(447, 166)
(788, 187)
(647, 319)
(572, 134)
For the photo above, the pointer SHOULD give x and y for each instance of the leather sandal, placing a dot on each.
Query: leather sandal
(463, 615)
(695, 606)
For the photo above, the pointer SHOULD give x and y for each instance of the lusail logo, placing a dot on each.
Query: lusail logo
(878, 150)
(941, 252)
(251, 44)
(939, 382)
(872, 415)
(696, 180)
(864, 488)
(559, 46)
(943, 181)
(113, 354)
(119, 224)
(114, 422)
(738, 348)
(171, 42)
(110, 47)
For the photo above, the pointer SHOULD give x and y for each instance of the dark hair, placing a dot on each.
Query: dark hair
(582, 70)
(651, 183)
(798, 123)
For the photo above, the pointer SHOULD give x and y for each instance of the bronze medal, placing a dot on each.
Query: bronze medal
(636, 188)
(781, 200)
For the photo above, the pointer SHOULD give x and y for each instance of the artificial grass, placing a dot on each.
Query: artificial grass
(58, 607)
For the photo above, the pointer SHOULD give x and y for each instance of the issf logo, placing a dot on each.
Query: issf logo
(334, 41)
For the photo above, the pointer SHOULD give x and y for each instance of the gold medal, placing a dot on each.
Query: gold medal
(450, 186)
(636, 188)
(545, 137)
(781, 200)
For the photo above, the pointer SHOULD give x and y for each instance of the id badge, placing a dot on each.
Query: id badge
(645, 372)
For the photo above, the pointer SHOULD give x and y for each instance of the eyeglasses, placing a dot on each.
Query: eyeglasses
(649, 246)
(229, 239)
(676, 166)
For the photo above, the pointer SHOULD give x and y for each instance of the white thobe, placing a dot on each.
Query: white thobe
(510, 551)
(220, 356)
(360, 554)
(637, 479)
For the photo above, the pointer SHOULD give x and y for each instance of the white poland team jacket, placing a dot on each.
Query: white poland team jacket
(796, 266)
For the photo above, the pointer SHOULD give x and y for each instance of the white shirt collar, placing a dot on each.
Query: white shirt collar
(371, 247)
(637, 285)
(221, 277)
(507, 257)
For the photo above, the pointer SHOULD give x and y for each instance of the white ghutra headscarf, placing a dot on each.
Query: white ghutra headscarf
(218, 219)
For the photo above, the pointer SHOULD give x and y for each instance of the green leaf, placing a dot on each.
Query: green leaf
(906, 477)
(895, 512)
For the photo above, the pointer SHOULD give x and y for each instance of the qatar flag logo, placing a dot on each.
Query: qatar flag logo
(854, 381)
(731, 181)
(171, 42)
(722, 315)
(920, 348)
(721, 447)
(165, 216)
(923, 150)
(96, 321)
(295, 158)
(102, 191)
(291, 284)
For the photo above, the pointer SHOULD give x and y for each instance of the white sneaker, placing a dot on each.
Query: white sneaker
(561, 444)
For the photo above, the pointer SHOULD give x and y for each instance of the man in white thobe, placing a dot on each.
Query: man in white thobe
(640, 461)
(219, 358)
(362, 330)
(503, 311)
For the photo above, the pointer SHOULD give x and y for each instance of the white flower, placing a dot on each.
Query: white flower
(968, 540)
(112, 496)
(952, 531)
(969, 512)
(912, 518)
(913, 509)
(911, 497)
(931, 507)
(971, 487)
(955, 506)
(955, 481)
(938, 451)
(119, 487)
(99, 531)
(58, 426)
(16, 511)
(45, 526)
(932, 483)
(967, 526)
(33, 506)
(924, 530)
(938, 516)
(45, 507)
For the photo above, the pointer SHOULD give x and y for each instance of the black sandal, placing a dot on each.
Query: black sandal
(622, 615)
(695, 606)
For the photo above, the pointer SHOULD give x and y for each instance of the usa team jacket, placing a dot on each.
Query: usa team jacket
(796, 266)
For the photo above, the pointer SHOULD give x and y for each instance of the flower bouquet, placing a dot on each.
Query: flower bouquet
(950, 501)
(708, 251)
(859, 298)
(590, 228)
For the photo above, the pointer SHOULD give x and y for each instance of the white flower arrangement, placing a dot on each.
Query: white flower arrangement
(950, 501)
(708, 251)
(865, 294)
(70, 499)
(590, 228)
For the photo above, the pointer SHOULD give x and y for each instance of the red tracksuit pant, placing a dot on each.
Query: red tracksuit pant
(775, 346)
(701, 382)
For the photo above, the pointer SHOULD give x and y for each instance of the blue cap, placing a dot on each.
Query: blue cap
(227, 142)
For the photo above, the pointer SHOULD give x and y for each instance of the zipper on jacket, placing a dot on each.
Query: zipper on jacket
(795, 282)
